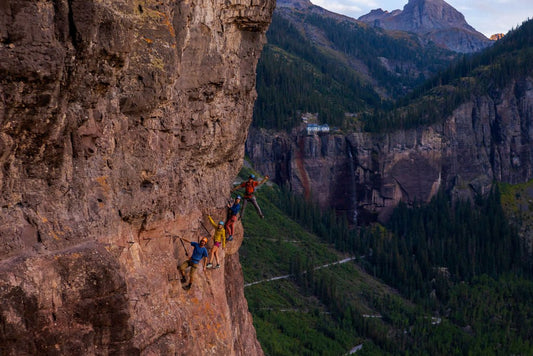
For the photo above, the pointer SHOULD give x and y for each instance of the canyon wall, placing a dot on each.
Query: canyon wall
(122, 125)
(486, 139)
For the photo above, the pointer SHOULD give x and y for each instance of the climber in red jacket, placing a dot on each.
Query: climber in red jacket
(249, 189)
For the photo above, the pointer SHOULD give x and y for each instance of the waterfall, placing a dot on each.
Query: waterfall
(351, 155)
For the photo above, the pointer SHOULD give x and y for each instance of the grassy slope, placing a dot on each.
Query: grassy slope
(517, 201)
(290, 320)
(293, 318)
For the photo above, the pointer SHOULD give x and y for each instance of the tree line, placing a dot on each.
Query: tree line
(458, 259)
(509, 61)
(294, 74)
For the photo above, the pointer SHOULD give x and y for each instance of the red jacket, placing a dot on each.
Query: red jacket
(249, 188)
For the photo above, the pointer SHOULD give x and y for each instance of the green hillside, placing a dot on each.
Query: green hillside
(329, 65)
(508, 62)
(334, 65)
(408, 290)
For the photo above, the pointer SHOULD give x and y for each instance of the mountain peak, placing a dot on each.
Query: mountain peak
(295, 4)
(436, 20)
(433, 14)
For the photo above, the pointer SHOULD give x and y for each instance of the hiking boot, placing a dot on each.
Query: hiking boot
(187, 287)
(209, 265)
(230, 238)
(183, 279)
(217, 266)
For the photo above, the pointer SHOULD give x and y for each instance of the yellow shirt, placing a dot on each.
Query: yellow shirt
(220, 234)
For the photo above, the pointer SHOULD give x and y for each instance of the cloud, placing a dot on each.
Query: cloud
(352, 8)
(357, 8)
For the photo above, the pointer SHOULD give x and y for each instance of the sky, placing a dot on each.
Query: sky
(486, 16)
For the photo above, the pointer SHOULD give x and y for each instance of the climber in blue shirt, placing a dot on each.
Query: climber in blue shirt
(199, 253)
(232, 218)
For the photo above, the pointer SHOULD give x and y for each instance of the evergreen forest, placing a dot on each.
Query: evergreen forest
(447, 277)
(365, 78)
(506, 63)
(429, 282)
(346, 75)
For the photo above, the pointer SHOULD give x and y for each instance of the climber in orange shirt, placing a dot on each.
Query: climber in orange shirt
(249, 189)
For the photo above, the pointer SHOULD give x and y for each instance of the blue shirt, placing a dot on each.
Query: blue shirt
(198, 253)
(235, 208)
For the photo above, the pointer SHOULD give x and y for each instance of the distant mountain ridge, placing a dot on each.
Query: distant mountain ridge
(301, 4)
(435, 21)
(331, 64)
(462, 130)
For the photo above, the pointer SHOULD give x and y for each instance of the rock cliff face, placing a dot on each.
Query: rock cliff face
(489, 138)
(434, 20)
(122, 122)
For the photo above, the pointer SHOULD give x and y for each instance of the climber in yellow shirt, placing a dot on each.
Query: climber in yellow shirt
(219, 238)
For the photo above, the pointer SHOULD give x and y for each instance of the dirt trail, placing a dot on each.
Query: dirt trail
(348, 259)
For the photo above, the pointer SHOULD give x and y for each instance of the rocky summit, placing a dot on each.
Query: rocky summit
(122, 125)
(433, 20)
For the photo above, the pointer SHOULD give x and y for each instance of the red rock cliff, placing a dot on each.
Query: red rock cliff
(121, 121)
(486, 139)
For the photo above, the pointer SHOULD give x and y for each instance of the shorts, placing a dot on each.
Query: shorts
(217, 244)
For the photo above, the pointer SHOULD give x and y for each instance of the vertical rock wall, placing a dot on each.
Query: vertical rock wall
(486, 139)
(316, 166)
(121, 122)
